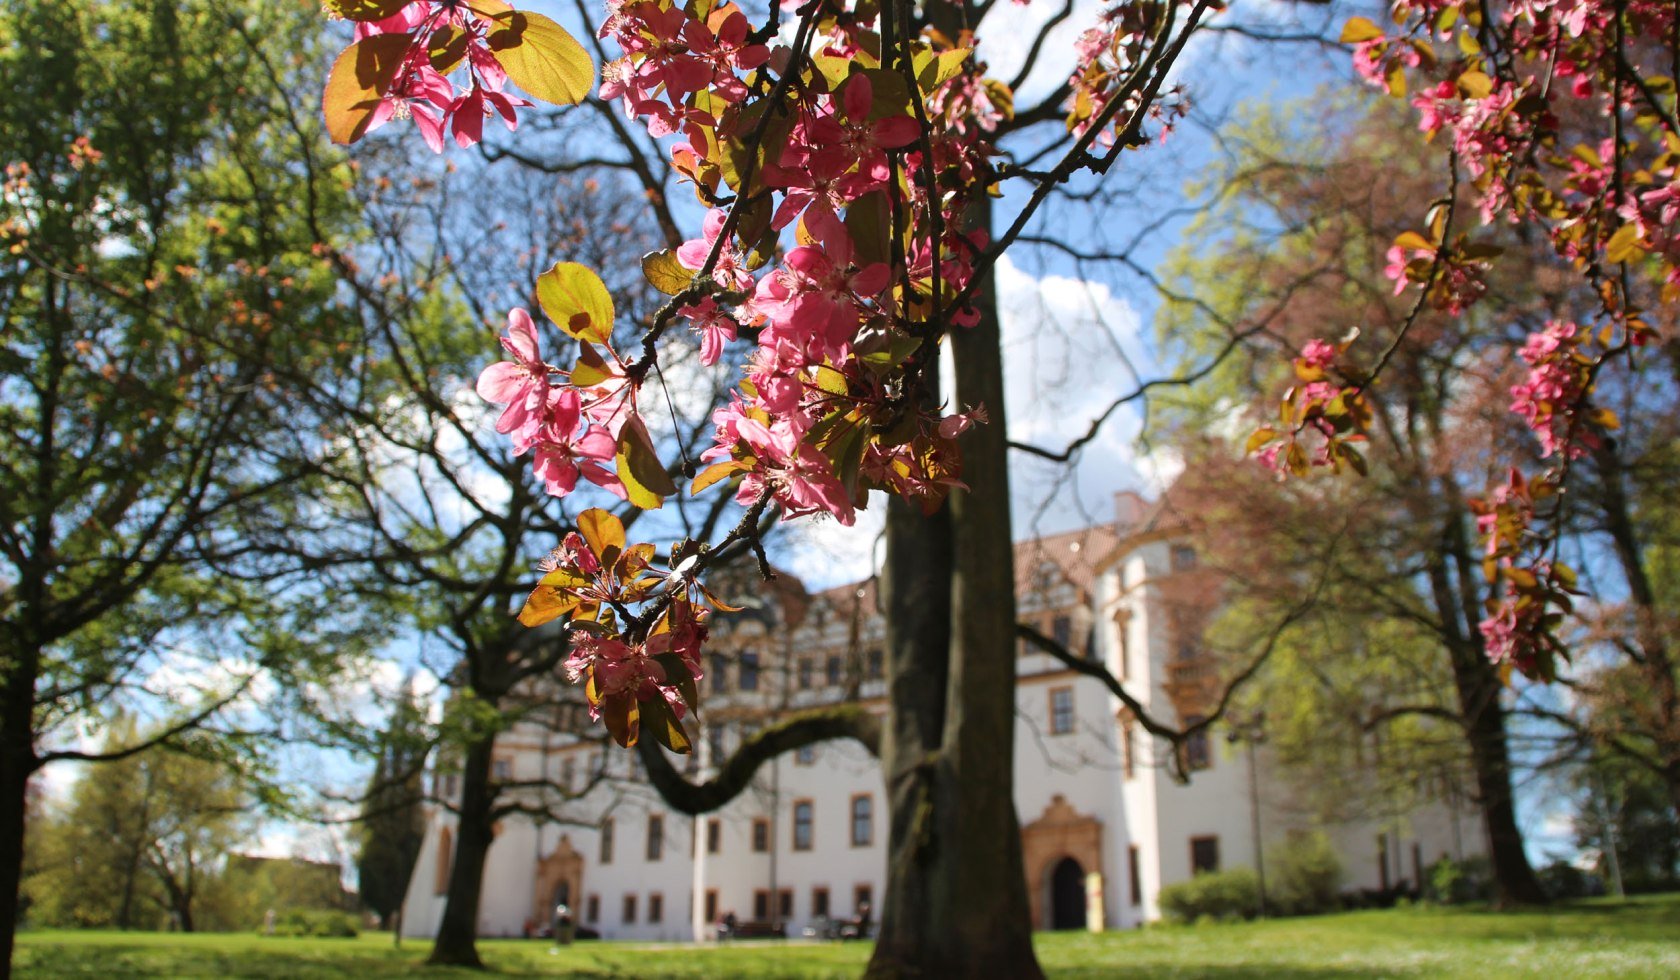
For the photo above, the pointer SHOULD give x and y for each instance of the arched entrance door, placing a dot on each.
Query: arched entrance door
(1067, 895)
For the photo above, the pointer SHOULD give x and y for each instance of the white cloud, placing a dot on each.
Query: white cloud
(824, 552)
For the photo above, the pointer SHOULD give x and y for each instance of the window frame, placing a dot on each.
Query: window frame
(868, 799)
(810, 820)
(655, 837)
(1062, 723)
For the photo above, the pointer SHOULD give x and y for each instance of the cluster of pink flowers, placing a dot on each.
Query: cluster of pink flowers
(1531, 593)
(573, 431)
(1551, 399)
(441, 36)
(1107, 56)
(1323, 418)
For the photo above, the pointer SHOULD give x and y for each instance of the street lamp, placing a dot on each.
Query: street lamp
(1252, 732)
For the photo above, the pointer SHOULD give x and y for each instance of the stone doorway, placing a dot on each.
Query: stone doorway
(1061, 835)
(559, 881)
(1067, 895)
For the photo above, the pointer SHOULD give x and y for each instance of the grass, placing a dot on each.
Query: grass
(1636, 938)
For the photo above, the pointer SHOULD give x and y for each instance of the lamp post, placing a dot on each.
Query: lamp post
(1252, 732)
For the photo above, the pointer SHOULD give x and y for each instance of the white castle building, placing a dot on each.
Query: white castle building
(807, 841)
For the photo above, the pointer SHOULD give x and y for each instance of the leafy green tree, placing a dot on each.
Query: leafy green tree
(140, 841)
(1306, 212)
(160, 222)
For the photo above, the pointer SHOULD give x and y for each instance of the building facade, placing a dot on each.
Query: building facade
(1105, 823)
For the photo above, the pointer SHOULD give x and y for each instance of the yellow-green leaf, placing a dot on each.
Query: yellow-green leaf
(623, 717)
(360, 78)
(942, 69)
(665, 273)
(1475, 84)
(663, 725)
(576, 299)
(1359, 29)
(1413, 241)
(601, 530)
(715, 473)
(1261, 436)
(544, 604)
(446, 48)
(540, 57)
(1624, 245)
(646, 483)
(365, 10)
(591, 368)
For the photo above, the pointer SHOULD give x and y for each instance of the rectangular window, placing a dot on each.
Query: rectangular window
(1204, 854)
(440, 886)
(629, 910)
(802, 825)
(1128, 748)
(449, 783)
(568, 771)
(784, 903)
(1061, 630)
(862, 895)
(761, 906)
(875, 664)
(1198, 753)
(656, 908)
(715, 743)
(1123, 627)
(807, 673)
(655, 837)
(714, 836)
(833, 670)
(819, 901)
(501, 770)
(720, 674)
(606, 840)
(863, 820)
(1183, 558)
(1061, 710)
(1134, 874)
(749, 671)
(711, 905)
(807, 755)
(592, 909)
(760, 835)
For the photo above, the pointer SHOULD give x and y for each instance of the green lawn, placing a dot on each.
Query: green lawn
(1639, 938)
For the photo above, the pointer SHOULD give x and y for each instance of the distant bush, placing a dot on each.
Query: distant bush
(319, 923)
(1303, 876)
(1233, 894)
(1456, 882)
(1563, 880)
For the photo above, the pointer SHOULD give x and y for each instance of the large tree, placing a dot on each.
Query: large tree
(884, 114)
(160, 260)
(140, 842)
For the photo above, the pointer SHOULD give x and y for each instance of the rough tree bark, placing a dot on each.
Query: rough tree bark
(1655, 663)
(456, 943)
(955, 903)
(1484, 715)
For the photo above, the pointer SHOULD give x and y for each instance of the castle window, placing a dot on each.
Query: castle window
(1204, 854)
(1061, 710)
(607, 841)
(863, 820)
(749, 671)
(655, 837)
(802, 825)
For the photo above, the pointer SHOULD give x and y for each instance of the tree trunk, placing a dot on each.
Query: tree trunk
(955, 904)
(17, 764)
(457, 936)
(1656, 665)
(1479, 688)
